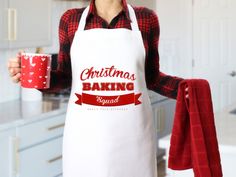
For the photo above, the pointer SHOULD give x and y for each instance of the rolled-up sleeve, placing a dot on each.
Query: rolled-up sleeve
(61, 77)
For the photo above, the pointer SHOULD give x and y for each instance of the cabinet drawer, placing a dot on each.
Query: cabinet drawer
(40, 131)
(43, 160)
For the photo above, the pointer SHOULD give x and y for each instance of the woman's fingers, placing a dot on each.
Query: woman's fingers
(13, 64)
(16, 78)
(14, 71)
(14, 67)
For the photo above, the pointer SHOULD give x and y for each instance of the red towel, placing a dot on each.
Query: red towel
(193, 141)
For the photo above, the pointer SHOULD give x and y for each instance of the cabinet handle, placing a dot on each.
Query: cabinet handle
(56, 127)
(161, 119)
(12, 24)
(9, 17)
(14, 144)
(158, 118)
(55, 159)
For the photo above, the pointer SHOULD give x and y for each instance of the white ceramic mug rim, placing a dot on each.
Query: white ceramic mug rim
(35, 54)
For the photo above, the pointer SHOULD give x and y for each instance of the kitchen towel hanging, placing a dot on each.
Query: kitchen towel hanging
(193, 141)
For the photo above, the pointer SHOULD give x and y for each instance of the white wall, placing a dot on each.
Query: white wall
(9, 90)
(175, 45)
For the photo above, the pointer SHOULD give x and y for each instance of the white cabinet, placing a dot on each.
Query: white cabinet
(163, 112)
(40, 146)
(7, 153)
(42, 130)
(3, 24)
(33, 149)
(45, 160)
(25, 23)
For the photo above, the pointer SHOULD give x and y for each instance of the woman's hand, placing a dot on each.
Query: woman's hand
(14, 67)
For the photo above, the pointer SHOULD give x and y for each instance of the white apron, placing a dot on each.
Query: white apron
(109, 128)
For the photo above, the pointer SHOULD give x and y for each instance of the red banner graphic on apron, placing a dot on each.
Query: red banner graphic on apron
(117, 100)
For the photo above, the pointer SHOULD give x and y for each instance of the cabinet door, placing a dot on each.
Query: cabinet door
(166, 118)
(44, 160)
(42, 130)
(7, 163)
(3, 23)
(31, 21)
(163, 116)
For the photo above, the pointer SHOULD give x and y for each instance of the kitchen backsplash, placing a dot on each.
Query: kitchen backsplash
(9, 90)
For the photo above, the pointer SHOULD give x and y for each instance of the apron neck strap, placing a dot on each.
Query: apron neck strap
(134, 23)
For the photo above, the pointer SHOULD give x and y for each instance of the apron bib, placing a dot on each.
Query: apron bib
(109, 128)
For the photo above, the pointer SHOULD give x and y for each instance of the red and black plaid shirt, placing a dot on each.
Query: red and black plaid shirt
(149, 26)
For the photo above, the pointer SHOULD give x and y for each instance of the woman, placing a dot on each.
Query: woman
(110, 49)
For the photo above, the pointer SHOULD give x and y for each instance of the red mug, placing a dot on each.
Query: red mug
(35, 70)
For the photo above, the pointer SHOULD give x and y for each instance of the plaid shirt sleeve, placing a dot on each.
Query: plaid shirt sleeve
(158, 81)
(61, 78)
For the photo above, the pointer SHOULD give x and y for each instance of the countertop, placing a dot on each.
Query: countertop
(17, 112)
(225, 123)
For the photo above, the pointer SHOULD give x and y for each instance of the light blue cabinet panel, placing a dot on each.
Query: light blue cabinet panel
(25, 23)
(40, 131)
(33, 149)
(7, 153)
(163, 114)
(3, 24)
(42, 160)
